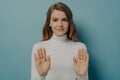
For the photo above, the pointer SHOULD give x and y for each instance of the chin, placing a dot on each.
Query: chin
(60, 35)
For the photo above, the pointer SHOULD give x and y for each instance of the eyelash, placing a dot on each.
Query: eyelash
(65, 20)
(62, 20)
(54, 20)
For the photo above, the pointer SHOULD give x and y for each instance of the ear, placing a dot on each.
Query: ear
(49, 25)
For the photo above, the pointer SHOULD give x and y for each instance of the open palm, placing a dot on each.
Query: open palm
(42, 62)
(81, 62)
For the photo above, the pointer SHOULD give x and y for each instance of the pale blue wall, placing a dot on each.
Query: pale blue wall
(97, 22)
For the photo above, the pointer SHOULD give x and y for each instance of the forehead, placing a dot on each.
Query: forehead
(58, 14)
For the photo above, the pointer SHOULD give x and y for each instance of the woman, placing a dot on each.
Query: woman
(59, 56)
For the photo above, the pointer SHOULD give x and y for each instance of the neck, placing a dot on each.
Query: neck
(59, 38)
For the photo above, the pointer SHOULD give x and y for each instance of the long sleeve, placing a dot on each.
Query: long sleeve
(34, 73)
(86, 76)
(61, 51)
(83, 78)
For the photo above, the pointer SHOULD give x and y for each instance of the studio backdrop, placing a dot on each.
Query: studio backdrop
(98, 26)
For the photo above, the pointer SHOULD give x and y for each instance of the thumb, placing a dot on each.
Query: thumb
(74, 60)
(48, 58)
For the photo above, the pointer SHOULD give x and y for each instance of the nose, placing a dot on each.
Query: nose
(60, 24)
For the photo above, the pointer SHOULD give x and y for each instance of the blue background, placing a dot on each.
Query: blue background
(98, 25)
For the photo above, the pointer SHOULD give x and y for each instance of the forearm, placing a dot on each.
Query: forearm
(35, 75)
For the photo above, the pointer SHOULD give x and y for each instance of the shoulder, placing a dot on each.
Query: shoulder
(77, 44)
(39, 44)
(80, 45)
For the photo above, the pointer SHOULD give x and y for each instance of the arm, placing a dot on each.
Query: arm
(35, 73)
(83, 78)
(81, 64)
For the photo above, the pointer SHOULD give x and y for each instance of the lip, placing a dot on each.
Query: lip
(60, 29)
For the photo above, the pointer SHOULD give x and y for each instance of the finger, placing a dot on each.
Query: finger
(79, 54)
(87, 57)
(84, 54)
(40, 53)
(48, 58)
(35, 58)
(74, 60)
(44, 53)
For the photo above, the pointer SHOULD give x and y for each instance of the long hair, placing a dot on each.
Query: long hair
(71, 33)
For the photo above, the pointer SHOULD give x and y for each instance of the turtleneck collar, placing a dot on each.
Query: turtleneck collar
(57, 38)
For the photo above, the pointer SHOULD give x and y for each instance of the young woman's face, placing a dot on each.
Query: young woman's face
(59, 23)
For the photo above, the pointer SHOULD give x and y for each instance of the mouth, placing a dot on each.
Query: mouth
(59, 29)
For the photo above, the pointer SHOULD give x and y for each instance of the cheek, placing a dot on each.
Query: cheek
(53, 24)
(67, 29)
(66, 26)
(53, 28)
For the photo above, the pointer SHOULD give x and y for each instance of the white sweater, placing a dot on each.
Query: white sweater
(61, 51)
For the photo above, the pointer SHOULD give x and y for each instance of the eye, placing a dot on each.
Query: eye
(55, 20)
(65, 19)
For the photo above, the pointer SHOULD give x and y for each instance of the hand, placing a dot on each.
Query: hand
(81, 62)
(42, 62)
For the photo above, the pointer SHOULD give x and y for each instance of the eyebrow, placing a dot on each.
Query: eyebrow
(56, 17)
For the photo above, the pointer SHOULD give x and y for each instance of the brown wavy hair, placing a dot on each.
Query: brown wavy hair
(71, 33)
